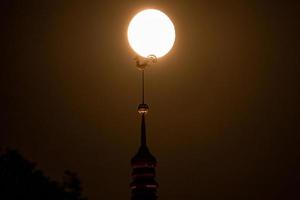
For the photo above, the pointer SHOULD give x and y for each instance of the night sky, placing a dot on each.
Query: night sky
(224, 103)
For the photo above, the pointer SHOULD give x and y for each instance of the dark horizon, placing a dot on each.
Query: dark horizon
(224, 103)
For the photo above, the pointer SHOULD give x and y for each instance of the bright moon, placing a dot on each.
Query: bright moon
(151, 32)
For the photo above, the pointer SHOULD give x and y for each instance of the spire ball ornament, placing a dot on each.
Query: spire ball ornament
(151, 33)
(143, 108)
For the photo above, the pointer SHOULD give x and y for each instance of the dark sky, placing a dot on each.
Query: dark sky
(224, 103)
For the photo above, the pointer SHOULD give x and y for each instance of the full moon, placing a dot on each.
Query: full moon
(151, 32)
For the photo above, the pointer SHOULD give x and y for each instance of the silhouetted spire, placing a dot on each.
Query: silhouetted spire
(143, 185)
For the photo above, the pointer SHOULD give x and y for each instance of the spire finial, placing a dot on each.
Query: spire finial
(143, 108)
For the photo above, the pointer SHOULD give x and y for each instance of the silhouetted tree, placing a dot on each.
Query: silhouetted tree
(19, 179)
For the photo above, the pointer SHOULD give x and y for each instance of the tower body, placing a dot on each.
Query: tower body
(143, 185)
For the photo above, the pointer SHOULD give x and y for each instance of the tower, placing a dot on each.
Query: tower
(151, 34)
(143, 185)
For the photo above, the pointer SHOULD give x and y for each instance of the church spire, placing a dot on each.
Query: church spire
(143, 185)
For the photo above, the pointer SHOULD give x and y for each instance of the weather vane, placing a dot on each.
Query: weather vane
(151, 34)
